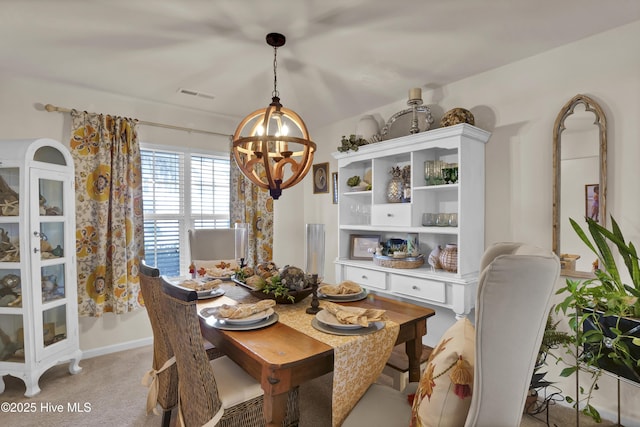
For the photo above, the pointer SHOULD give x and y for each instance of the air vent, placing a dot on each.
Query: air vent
(196, 93)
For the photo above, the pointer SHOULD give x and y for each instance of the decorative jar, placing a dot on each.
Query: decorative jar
(449, 257)
(367, 128)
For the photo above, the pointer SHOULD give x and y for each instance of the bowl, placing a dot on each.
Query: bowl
(258, 293)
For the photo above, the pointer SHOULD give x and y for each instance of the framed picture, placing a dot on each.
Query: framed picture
(592, 201)
(321, 178)
(334, 187)
(363, 245)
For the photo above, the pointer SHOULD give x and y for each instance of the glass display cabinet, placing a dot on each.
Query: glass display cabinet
(38, 302)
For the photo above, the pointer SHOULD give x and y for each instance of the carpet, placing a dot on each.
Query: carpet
(108, 392)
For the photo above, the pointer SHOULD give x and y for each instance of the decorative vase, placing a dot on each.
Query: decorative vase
(395, 190)
(456, 116)
(367, 127)
(434, 258)
(449, 257)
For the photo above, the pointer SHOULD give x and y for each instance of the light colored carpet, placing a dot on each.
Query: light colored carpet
(109, 392)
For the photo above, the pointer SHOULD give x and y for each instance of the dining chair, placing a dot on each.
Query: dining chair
(162, 379)
(212, 244)
(219, 392)
(514, 294)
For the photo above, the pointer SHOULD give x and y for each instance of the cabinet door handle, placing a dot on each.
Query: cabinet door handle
(415, 288)
(389, 215)
(364, 277)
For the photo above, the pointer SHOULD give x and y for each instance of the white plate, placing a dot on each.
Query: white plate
(210, 293)
(330, 320)
(343, 297)
(373, 327)
(254, 318)
(212, 321)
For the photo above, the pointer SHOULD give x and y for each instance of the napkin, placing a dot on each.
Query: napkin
(345, 288)
(197, 285)
(241, 311)
(355, 315)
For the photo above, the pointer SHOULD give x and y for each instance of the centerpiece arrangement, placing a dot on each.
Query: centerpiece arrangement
(265, 281)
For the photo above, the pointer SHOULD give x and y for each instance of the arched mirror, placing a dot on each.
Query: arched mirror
(580, 180)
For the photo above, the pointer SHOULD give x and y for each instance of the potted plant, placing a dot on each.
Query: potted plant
(604, 311)
(551, 340)
(353, 142)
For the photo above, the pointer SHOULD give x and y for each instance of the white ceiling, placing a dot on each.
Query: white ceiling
(342, 57)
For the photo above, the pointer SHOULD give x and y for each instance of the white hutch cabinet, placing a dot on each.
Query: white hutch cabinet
(368, 213)
(38, 295)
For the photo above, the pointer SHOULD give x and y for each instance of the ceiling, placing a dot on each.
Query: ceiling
(342, 57)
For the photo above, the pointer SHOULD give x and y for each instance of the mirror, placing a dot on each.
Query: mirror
(580, 180)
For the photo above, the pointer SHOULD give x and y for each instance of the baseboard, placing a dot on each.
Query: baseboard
(129, 345)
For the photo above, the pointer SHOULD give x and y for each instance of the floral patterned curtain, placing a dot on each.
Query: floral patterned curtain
(253, 205)
(109, 221)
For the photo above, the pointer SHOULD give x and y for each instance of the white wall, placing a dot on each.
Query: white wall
(518, 103)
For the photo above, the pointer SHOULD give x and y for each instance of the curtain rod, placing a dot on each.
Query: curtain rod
(52, 108)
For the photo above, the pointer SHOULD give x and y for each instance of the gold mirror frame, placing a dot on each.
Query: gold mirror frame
(567, 110)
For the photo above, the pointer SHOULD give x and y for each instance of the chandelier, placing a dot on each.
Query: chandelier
(272, 146)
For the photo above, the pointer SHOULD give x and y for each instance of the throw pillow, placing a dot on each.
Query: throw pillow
(443, 396)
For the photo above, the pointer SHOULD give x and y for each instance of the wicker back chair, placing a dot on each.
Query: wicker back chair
(216, 390)
(162, 383)
(166, 388)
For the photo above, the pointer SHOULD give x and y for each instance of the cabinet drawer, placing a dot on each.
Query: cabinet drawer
(365, 277)
(425, 289)
(391, 214)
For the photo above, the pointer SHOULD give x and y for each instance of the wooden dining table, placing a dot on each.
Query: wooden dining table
(282, 358)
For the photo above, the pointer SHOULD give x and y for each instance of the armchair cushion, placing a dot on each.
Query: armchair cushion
(443, 396)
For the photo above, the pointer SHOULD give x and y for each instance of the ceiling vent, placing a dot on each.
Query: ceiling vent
(196, 93)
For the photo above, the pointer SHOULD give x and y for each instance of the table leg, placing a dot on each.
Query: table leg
(413, 348)
(275, 409)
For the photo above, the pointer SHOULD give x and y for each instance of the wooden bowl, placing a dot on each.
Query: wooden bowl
(297, 295)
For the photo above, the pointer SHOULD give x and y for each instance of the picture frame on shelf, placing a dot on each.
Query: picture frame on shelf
(321, 178)
(363, 246)
(334, 187)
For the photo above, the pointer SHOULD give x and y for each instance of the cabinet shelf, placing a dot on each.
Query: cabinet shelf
(11, 310)
(357, 193)
(401, 229)
(368, 212)
(443, 187)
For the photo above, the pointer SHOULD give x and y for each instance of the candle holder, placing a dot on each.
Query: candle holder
(241, 239)
(315, 303)
(414, 103)
(314, 253)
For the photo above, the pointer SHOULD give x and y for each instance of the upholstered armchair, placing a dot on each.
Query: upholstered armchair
(514, 294)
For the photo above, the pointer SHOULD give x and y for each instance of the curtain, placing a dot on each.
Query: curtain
(109, 220)
(253, 205)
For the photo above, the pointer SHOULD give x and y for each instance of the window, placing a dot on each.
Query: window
(180, 190)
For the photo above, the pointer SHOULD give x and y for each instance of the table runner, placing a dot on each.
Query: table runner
(358, 360)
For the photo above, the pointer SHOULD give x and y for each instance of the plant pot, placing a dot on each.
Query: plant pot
(627, 326)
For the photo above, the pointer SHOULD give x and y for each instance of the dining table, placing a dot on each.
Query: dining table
(290, 352)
